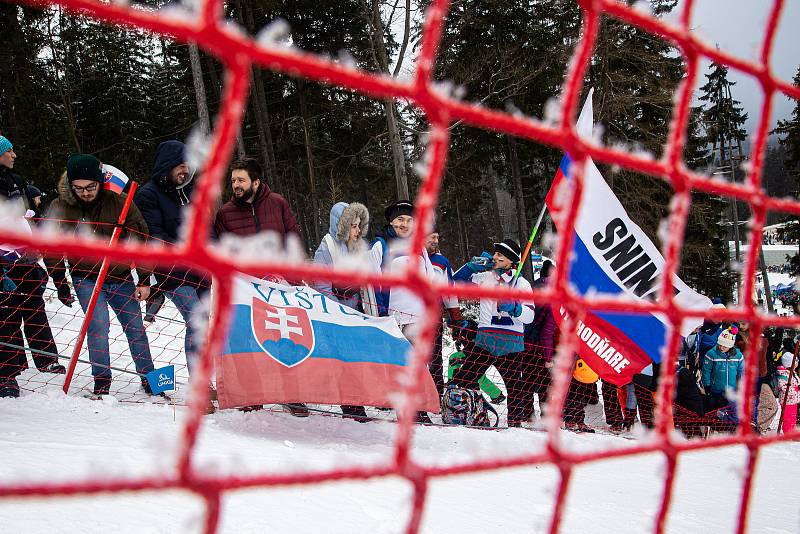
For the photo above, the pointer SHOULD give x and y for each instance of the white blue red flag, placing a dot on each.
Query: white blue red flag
(114, 179)
(613, 256)
(294, 344)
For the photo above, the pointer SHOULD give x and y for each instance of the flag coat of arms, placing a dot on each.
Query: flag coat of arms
(114, 179)
(613, 256)
(294, 344)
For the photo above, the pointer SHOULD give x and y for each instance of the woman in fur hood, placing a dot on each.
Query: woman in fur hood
(344, 240)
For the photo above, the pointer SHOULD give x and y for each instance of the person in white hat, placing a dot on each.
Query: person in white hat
(723, 367)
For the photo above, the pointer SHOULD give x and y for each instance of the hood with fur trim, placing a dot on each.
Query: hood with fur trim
(355, 210)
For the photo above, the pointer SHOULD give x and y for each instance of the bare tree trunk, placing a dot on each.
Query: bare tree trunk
(522, 223)
(315, 219)
(460, 222)
(261, 98)
(495, 215)
(64, 85)
(216, 92)
(382, 58)
(199, 90)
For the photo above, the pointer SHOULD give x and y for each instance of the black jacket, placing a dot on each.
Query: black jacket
(162, 206)
(13, 186)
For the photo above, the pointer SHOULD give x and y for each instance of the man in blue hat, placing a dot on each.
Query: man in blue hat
(24, 282)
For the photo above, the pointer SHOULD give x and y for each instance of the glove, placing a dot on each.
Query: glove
(514, 309)
(480, 268)
(64, 294)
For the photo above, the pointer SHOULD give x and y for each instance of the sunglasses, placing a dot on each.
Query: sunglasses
(88, 189)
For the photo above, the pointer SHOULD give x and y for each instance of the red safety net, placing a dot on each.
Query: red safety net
(238, 53)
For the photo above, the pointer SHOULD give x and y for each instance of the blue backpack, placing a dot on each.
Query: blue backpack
(467, 407)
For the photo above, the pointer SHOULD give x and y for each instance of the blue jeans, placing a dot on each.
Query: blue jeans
(120, 298)
(185, 299)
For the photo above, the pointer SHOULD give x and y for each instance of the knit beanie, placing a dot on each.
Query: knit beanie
(84, 167)
(5, 145)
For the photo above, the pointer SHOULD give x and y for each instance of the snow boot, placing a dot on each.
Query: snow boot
(251, 408)
(357, 413)
(500, 399)
(146, 388)
(55, 368)
(297, 409)
(422, 417)
(9, 387)
(101, 386)
(154, 303)
(580, 427)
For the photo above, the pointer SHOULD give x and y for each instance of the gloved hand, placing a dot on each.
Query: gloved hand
(514, 309)
(479, 267)
(64, 293)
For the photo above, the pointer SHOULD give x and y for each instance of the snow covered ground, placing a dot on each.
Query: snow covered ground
(47, 436)
(52, 437)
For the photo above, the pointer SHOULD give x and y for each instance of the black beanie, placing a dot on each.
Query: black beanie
(84, 167)
(401, 207)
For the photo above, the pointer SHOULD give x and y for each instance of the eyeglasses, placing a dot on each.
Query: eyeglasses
(91, 188)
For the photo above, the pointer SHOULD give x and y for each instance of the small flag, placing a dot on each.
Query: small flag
(161, 379)
(114, 179)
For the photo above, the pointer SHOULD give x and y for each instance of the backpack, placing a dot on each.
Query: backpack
(461, 406)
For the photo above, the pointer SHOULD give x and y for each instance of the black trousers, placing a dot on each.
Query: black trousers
(578, 397)
(21, 309)
(611, 406)
(520, 391)
(436, 365)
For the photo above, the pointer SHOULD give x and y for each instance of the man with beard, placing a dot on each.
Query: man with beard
(84, 207)
(255, 208)
(23, 286)
(162, 202)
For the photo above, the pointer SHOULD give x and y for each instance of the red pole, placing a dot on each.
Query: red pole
(788, 385)
(98, 286)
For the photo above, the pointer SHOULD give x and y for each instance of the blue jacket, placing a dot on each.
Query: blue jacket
(162, 206)
(722, 370)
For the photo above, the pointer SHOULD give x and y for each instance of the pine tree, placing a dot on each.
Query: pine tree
(724, 116)
(790, 140)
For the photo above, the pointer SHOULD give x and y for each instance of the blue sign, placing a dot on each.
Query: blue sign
(161, 379)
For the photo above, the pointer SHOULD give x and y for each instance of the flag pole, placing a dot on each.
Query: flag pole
(530, 243)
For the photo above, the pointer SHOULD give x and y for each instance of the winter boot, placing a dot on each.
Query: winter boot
(55, 368)
(358, 413)
(154, 303)
(297, 409)
(101, 386)
(500, 399)
(251, 408)
(9, 387)
(422, 417)
(146, 388)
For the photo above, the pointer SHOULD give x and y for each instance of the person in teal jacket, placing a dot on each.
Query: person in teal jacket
(723, 366)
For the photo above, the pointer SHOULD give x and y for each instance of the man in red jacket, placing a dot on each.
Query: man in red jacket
(255, 208)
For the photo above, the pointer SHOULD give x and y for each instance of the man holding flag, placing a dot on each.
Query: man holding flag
(500, 338)
(81, 198)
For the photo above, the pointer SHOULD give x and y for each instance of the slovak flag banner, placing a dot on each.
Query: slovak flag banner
(612, 256)
(293, 344)
(114, 179)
